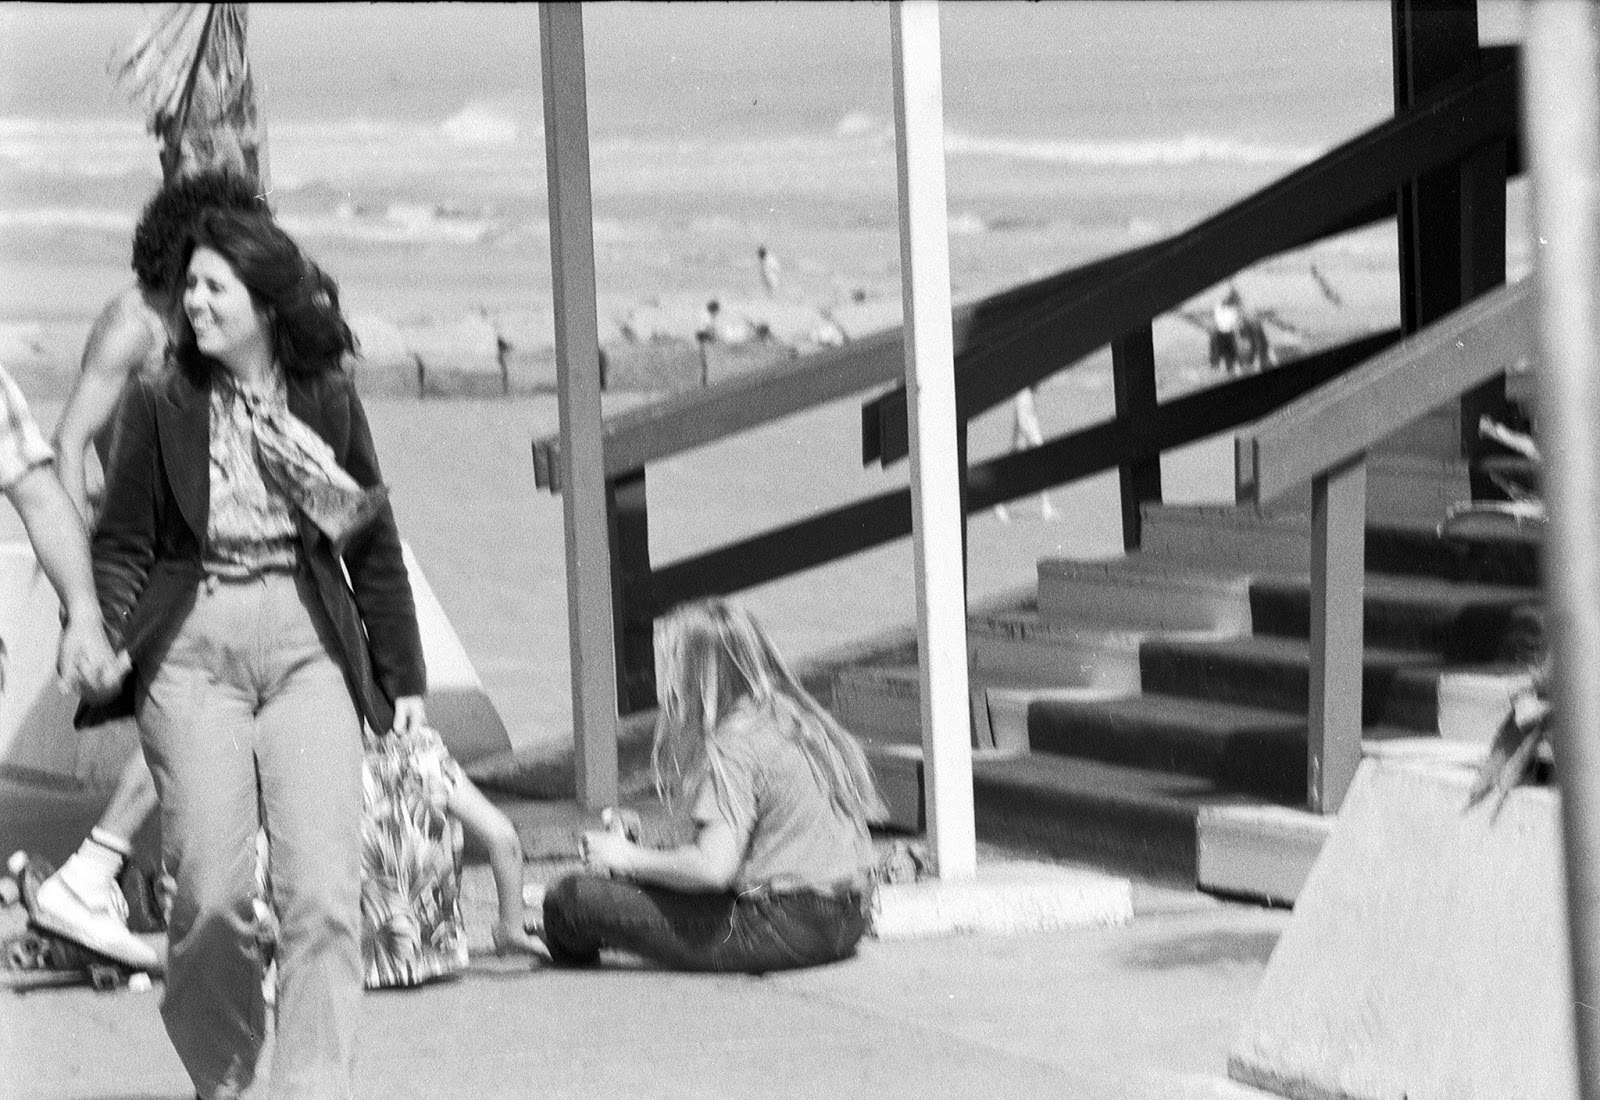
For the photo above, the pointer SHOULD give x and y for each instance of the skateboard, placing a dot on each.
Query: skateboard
(40, 958)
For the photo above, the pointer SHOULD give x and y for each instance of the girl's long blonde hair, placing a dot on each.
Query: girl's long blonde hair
(711, 657)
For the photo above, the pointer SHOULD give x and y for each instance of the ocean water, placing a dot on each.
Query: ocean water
(405, 142)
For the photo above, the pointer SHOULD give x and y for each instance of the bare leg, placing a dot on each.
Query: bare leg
(491, 828)
(132, 802)
(82, 900)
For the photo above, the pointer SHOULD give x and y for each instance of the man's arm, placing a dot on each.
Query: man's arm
(118, 345)
(62, 547)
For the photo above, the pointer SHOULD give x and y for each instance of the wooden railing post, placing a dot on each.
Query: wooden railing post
(1133, 373)
(1338, 590)
(628, 517)
(589, 599)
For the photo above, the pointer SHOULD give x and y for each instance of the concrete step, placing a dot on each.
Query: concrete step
(1399, 485)
(1436, 434)
(883, 705)
(1021, 648)
(1143, 591)
(1127, 819)
(1412, 689)
(1249, 749)
(1236, 539)
(1465, 621)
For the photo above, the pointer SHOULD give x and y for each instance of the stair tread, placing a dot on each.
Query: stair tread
(1418, 588)
(1182, 712)
(1102, 782)
(1291, 650)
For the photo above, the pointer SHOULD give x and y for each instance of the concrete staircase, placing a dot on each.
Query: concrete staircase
(1148, 712)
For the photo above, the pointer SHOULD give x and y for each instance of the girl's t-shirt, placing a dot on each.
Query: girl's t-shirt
(792, 834)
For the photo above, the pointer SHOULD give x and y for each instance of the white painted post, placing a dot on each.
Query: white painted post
(936, 518)
(1561, 101)
(583, 485)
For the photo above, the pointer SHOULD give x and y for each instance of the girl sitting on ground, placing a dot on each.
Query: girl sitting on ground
(779, 795)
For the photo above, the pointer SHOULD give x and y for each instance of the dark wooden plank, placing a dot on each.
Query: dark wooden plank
(1133, 374)
(811, 542)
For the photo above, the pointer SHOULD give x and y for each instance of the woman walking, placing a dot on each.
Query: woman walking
(243, 490)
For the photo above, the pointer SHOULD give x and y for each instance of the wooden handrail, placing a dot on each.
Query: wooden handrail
(679, 423)
(1025, 323)
(1307, 204)
(872, 521)
(1339, 422)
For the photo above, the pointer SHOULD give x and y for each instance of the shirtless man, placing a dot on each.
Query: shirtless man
(129, 337)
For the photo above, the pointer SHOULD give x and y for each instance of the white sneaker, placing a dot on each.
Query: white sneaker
(98, 924)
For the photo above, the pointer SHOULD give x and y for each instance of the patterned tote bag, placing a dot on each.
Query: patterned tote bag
(411, 926)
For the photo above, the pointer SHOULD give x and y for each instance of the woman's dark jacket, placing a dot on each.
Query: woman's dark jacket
(147, 544)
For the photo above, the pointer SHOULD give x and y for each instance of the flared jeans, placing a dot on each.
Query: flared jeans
(247, 721)
(752, 932)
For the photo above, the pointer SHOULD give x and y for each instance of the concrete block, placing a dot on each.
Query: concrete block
(527, 342)
(863, 318)
(1022, 649)
(1004, 898)
(1258, 851)
(459, 358)
(898, 770)
(724, 361)
(1472, 705)
(384, 364)
(1144, 591)
(37, 740)
(458, 707)
(1428, 954)
(663, 363)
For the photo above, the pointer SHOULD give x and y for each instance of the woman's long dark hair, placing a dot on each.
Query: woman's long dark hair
(309, 334)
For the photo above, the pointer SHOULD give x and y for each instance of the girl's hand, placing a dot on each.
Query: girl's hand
(409, 714)
(606, 852)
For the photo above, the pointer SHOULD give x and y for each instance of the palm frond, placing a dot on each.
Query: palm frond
(189, 73)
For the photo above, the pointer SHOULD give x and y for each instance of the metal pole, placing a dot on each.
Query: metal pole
(1563, 125)
(583, 485)
(936, 516)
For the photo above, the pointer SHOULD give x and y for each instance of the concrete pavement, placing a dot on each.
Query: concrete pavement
(1145, 1009)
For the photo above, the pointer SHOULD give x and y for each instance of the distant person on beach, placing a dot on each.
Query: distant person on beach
(1026, 434)
(718, 327)
(248, 559)
(130, 338)
(770, 269)
(85, 660)
(779, 796)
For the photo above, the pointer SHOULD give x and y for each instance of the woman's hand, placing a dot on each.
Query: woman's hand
(409, 714)
(607, 852)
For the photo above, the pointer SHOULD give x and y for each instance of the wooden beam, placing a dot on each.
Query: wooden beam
(588, 545)
(1345, 418)
(1133, 375)
(1338, 598)
(937, 521)
(872, 521)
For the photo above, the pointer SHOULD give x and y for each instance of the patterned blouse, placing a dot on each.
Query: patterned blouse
(22, 447)
(251, 528)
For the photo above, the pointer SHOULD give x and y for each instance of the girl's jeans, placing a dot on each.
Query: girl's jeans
(753, 932)
(247, 721)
